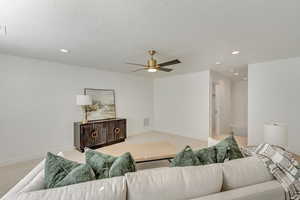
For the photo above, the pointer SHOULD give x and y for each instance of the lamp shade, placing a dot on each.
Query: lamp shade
(83, 100)
(276, 134)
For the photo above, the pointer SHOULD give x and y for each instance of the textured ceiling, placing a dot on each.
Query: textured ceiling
(105, 34)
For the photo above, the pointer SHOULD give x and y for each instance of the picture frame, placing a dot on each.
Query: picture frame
(103, 104)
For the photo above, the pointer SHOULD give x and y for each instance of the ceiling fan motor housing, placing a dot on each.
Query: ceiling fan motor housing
(152, 63)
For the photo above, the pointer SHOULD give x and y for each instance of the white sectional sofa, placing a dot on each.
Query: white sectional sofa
(242, 179)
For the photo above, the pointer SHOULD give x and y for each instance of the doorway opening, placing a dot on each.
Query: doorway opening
(229, 103)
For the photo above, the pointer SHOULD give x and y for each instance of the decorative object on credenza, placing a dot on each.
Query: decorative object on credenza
(83, 101)
(95, 134)
(103, 104)
(276, 134)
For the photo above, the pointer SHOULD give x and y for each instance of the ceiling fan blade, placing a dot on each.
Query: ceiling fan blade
(172, 62)
(136, 64)
(164, 69)
(139, 69)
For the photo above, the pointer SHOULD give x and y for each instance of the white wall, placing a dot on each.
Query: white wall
(37, 101)
(239, 106)
(274, 95)
(181, 104)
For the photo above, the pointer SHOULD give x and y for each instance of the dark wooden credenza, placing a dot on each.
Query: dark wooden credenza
(95, 134)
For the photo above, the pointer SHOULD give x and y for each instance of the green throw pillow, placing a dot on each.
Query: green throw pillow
(207, 155)
(185, 158)
(123, 164)
(228, 149)
(106, 166)
(99, 162)
(61, 172)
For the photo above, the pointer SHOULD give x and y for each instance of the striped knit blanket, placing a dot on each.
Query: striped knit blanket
(283, 167)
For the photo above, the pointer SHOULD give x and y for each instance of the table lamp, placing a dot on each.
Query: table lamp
(84, 101)
(276, 134)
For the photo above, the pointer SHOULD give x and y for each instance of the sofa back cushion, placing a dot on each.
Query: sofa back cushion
(244, 172)
(271, 190)
(112, 188)
(174, 183)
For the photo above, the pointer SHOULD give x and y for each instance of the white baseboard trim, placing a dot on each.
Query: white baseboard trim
(33, 156)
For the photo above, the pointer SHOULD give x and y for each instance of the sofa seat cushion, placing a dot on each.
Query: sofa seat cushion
(270, 190)
(174, 183)
(112, 188)
(244, 172)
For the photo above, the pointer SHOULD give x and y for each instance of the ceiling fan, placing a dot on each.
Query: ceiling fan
(152, 65)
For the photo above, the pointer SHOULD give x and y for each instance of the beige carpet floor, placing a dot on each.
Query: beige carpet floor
(11, 174)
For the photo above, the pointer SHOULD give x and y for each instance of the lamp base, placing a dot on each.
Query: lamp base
(84, 121)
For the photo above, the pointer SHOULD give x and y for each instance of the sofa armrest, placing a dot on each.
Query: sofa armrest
(24, 182)
(34, 180)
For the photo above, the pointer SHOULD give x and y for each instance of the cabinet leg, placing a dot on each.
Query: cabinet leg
(80, 149)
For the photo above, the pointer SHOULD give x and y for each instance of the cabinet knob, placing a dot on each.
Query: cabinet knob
(117, 130)
(94, 134)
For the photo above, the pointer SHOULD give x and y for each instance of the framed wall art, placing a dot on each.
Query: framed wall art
(103, 104)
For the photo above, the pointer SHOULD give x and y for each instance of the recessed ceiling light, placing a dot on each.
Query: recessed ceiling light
(152, 70)
(236, 73)
(218, 63)
(64, 50)
(245, 79)
(235, 52)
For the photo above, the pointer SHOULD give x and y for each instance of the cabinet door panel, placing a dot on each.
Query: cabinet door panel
(110, 134)
(101, 131)
(87, 131)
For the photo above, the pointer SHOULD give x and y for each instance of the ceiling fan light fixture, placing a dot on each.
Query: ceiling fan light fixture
(235, 52)
(152, 70)
(64, 50)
